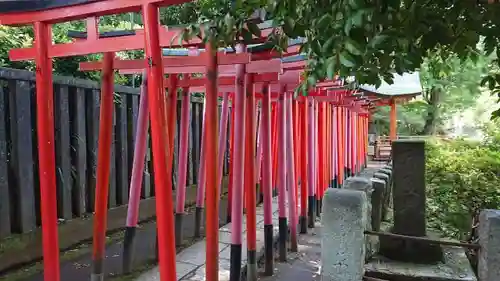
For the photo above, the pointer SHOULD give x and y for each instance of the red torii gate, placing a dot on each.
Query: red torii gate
(162, 126)
(226, 83)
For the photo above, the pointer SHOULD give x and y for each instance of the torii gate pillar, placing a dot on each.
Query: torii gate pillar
(393, 121)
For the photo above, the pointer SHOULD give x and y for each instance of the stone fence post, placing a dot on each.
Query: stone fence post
(344, 221)
(489, 240)
(377, 201)
(365, 185)
(387, 192)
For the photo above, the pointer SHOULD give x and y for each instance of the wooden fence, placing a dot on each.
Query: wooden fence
(76, 118)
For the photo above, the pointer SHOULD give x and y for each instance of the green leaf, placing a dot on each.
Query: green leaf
(316, 47)
(346, 59)
(348, 26)
(327, 45)
(324, 21)
(254, 29)
(353, 47)
(311, 80)
(378, 40)
(357, 18)
(229, 21)
(330, 69)
(356, 4)
(247, 35)
(288, 26)
(495, 114)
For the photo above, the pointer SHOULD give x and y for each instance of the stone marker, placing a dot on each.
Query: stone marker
(365, 185)
(344, 221)
(377, 201)
(409, 187)
(489, 239)
(387, 192)
(388, 172)
(408, 161)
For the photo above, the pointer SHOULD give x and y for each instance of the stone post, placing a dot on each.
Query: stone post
(409, 187)
(344, 221)
(387, 192)
(365, 185)
(379, 187)
(388, 172)
(489, 240)
(408, 162)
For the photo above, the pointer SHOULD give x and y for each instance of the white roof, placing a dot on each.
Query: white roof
(406, 84)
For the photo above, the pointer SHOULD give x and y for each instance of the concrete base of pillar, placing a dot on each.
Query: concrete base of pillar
(455, 266)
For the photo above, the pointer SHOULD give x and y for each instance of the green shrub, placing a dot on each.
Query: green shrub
(462, 178)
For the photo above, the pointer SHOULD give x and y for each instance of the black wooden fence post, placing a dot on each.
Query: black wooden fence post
(121, 151)
(92, 119)
(79, 150)
(4, 169)
(63, 157)
(21, 157)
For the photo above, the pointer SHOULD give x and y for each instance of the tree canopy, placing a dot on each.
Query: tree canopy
(364, 38)
(450, 86)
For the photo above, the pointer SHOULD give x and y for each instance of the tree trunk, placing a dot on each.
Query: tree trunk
(432, 119)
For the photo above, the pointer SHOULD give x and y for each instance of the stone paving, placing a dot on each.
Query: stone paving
(191, 261)
(301, 266)
(305, 265)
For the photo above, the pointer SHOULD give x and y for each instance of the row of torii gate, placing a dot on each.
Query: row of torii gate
(315, 140)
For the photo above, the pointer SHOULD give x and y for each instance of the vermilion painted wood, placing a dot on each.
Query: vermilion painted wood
(115, 44)
(353, 141)
(316, 150)
(212, 188)
(92, 27)
(140, 147)
(328, 144)
(326, 84)
(295, 135)
(292, 50)
(321, 148)
(341, 127)
(325, 148)
(172, 118)
(334, 141)
(103, 164)
(272, 66)
(297, 65)
(68, 13)
(231, 159)
(290, 173)
(159, 131)
(358, 139)
(46, 152)
(266, 139)
(183, 154)
(249, 177)
(304, 144)
(393, 122)
(239, 156)
(274, 140)
(282, 156)
(222, 81)
(222, 59)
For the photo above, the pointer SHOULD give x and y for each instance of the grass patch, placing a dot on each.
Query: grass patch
(16, 242)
